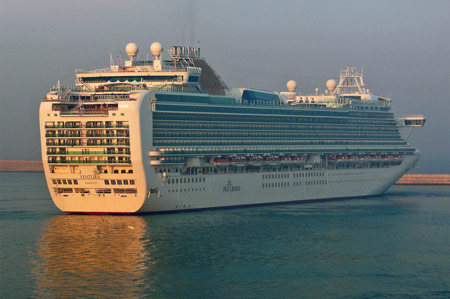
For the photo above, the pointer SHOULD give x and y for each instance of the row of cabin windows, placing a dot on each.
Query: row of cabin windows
(165, 141)
(317, 127)
(119, 182)
(356, 180)
(64, 182)
(288, 119)
(186, 190)
(167, 133)
(347, 173)
(286, 184)
(98, 191)
(186, 180)
(275, 185)
(308, 175)
(275, 176)
(117, 171)
(250, 112)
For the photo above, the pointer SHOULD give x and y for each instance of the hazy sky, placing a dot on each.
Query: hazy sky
(404, 47)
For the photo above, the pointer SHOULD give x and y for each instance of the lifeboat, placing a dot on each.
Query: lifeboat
(341, 158)
(255, 160)
(271, 159)
(285, 159)
(221, 161)
(296, 159)
(238, 160)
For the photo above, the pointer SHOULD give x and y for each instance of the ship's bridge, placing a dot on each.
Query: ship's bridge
(412, 121)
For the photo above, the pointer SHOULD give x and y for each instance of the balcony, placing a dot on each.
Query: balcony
(89, 162)
(108, 135)
(63, 135)
(87, 136)
(85, 127)
(84, 113)
(102, 144)
(86, 153)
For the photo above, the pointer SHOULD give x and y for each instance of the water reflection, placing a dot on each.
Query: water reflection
(91, 256)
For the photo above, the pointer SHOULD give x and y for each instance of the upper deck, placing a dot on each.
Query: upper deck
(187, 72)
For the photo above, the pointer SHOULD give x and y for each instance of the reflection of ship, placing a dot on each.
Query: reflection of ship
(168, 135)
(91, 256)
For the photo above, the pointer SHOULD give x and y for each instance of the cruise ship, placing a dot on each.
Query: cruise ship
(164, 135)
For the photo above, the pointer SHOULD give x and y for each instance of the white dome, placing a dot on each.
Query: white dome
(331, 85)
(156, 49)
(131, 50)
(291, 85)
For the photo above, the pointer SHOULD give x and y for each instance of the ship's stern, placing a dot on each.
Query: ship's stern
(92, 152)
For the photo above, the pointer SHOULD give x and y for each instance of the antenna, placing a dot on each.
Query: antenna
(111, 61)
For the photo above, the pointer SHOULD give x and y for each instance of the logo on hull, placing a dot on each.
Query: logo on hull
(230, 188)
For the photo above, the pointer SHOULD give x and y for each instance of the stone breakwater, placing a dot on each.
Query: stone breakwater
(25, 166)
(424, 179)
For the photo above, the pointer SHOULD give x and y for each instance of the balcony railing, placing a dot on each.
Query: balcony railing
(110, 135)
(89, 162)
(62, 135)
(87, 136)
(85, 127)
(87, 144)
(88, 153)
(84, 113)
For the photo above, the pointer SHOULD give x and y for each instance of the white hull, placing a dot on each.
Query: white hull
(247, 188)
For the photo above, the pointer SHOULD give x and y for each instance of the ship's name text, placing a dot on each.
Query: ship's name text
(89, 177)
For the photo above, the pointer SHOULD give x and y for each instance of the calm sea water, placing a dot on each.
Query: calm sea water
(395, 246)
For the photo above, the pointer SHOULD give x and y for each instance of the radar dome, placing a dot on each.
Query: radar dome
(156, 49)
(131, 50)
(291, 85)
(331, 85)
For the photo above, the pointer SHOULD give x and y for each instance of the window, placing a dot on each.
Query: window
(106, 182)
(131, 182)
(119, 182)
(64, 182)
(75, 182)
(113, 182)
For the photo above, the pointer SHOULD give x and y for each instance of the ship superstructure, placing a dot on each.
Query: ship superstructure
(169, 135)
